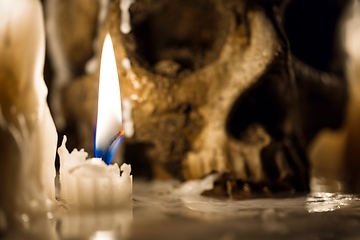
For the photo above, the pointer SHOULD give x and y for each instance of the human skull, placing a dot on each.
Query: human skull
(213, 86)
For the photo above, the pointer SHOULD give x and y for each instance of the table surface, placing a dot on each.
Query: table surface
(159, 212)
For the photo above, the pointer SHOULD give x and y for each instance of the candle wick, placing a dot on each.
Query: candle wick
(108, 152)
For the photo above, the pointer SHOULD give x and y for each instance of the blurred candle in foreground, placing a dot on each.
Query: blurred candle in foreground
(91, 183)
(28, 136)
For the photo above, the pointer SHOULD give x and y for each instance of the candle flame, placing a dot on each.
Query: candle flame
(109, 128)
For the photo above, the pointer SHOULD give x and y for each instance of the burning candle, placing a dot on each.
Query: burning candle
(93, 183)
(109, 129)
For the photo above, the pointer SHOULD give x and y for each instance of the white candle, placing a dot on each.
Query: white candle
(27, 133)
(92, 183)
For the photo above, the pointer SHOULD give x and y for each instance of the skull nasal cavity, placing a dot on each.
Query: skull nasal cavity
(173, 36)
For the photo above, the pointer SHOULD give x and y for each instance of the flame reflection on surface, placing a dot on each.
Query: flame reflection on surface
(328, 202)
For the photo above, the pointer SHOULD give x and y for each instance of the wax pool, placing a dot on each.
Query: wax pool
(90, 183)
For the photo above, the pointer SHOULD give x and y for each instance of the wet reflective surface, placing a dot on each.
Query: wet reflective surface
(161, 211)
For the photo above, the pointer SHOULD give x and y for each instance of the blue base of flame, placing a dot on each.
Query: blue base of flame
(108, 152)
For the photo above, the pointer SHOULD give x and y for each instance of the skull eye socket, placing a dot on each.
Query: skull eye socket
(310, 26)
(177, 35)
